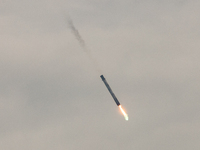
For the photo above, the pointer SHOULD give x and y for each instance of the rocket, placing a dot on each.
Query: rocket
(110, 90)
(114, 97)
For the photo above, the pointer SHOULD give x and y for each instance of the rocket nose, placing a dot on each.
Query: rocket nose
(102, 77)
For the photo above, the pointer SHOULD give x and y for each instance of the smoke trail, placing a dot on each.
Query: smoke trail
(82, 44)
(76, 34)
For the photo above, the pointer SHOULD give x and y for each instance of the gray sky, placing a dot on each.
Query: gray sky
(51, 96)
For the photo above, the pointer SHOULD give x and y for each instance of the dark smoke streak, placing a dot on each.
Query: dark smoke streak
(83, 45)
(76, 34)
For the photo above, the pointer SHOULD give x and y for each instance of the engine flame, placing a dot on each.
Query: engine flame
(124, 113)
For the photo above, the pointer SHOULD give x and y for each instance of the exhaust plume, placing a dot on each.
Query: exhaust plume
(124, 113)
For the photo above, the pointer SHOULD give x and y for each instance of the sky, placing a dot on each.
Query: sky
(51, 93)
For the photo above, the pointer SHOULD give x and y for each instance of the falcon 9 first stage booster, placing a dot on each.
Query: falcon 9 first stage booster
(114, 97)
(110, 90)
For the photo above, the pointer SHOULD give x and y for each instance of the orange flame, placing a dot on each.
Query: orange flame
(124, 113)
